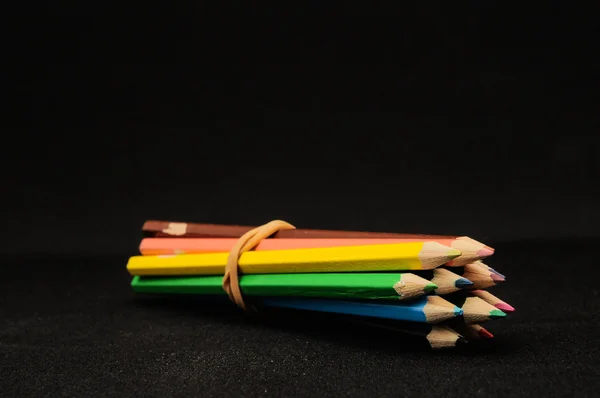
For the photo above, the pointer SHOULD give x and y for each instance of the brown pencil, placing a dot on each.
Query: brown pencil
(471, 249)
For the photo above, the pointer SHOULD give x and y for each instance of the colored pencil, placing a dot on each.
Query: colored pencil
(203, 230)
(378, 286)
(428, 309)
(489, 268)
(394, 257)
(493, 300)
(481, 277)
(471, 249)
(449, 282)
(437, 336)
(471, 332)
(475, 310)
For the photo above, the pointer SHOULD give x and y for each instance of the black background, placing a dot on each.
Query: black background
(479, 121)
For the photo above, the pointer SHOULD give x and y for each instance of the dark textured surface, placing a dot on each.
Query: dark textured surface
(71, 326)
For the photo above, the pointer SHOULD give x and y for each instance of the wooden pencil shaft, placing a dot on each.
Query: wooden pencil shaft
(470, 249)
(420, 310)
(393, 257)
(449, 282)
(491, 299)
(381, 286)
(475, 310)
(200, 230)
(446, 280)
(481, 276)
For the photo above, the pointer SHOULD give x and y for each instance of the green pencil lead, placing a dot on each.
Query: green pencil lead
(495, 314)
(430, 287)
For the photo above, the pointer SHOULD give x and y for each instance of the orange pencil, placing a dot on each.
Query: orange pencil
(470, 248)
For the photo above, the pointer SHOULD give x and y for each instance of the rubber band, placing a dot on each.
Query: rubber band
(248, 241)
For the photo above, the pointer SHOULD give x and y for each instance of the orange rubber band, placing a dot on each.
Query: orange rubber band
(248, 241)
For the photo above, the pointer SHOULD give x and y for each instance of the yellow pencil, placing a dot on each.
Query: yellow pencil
(386, 257)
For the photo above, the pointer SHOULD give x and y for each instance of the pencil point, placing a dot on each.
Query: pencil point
(496, 272)
(461, 340)
(496, 314)
(485, 334)
(443, 337)
(457, 311)
(485, 252)
(505, 307)
(430, 287)
(411, 285)
(453, 253)
(434, 254)
(463, 283)
(497, 278)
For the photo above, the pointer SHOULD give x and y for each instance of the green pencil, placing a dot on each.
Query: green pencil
(378, 286)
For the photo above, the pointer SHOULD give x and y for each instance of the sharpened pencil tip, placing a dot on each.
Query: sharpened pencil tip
(505, 307)
(485, 252)
(485, 334)
(463, 283)
(453, 253)
(430, 287)
(458, 311)
(497, 278)
(496, 314)
(496, 272)
(461, 340)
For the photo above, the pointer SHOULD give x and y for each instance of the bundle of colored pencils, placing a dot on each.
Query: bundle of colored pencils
(429, 285)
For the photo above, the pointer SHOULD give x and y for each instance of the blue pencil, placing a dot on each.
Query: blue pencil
(430, 309)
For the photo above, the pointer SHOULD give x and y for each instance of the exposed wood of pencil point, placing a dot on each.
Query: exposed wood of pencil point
(475, 310)
(438, 310)
(481, 277)
(448, 281)
(493, 300)
(471, 250)
(490, 269)
(411, 285)
(433, 255)
(444, 337)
